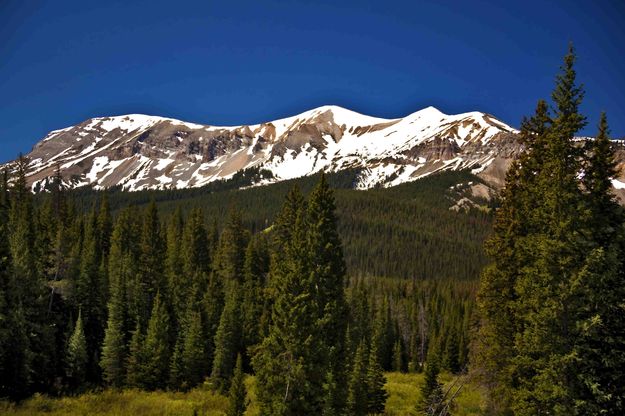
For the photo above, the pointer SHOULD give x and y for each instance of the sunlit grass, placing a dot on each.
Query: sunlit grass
(403, 392)
(126, 402)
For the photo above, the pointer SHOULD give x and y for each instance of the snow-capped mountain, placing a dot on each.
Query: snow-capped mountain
(146, 152)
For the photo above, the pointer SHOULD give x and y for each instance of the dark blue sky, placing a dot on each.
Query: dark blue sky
(234, 62)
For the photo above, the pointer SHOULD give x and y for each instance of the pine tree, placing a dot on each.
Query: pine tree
(227, 340)
(76, 359)
(357, 398)
(281, 359)
(230, 256)
(193, 354)
(376, 393)
(151, 277)
(399, 361)
(237, 397)
(212, 305)
(121, 270)
(554, 256)
(136, 358)
(114, 346)
(156, 348)
(328, 274)
(89, 294)
(432, 400)
(180, 283)
(597, 291)
(27, 355)
(599, 169)
(451, 359)
(255, 269)
(306, 339)
(195, 250)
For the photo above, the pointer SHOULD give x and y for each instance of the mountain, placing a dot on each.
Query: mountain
(146, 152)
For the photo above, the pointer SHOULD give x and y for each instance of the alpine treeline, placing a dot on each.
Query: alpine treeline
(552, 305)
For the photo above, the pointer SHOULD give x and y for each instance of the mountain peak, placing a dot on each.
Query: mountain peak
(139, 151)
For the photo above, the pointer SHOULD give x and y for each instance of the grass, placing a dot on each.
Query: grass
(403, 392)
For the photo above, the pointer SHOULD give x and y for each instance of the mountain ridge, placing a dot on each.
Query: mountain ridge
(138, 151)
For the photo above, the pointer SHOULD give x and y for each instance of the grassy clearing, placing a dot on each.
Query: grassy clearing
(120, 403)
(403, 390)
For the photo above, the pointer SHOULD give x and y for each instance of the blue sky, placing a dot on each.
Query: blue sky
(235, 62)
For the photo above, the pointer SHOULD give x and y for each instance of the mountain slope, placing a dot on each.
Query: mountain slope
(147, 152)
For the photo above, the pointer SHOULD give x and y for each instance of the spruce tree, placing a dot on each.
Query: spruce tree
(328, 274)
(357, 397)
(136, 358)
(230, 256)
(193, 364)
(195, 251)
(227, 340)
(306, 339)
(237, 396)
(76, 358)
(376, 393)
(151, 266)
(28, 356)
(255, 269)
(212, 305)
(121, 270)
(432, 400)
(557, 250)
(156, 348)
(281, 360)
(113, 349)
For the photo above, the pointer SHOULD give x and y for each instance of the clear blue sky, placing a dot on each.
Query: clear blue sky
(234, 62)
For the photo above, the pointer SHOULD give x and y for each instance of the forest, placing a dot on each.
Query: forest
(319, 290)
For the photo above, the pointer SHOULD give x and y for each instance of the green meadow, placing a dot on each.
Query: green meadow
(403, 392)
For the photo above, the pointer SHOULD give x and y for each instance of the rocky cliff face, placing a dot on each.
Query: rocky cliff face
(145, 152)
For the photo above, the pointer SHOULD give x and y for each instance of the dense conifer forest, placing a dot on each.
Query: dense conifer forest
(104, 288)
(319, 290)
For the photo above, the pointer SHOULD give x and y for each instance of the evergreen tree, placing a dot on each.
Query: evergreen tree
(27, 355)
(121, 271)
(432, 400)
(451, 359)
(89, 294)
(150, 277)
(76, 359)
(227, 340)
(255, 269)
(556, 248)
(195, 250)
(399, 361)
(328, 281)
(136, 358)
(113, 348)
(212, 309)
(237, 396)
(384, 335)
(230, 256)
(281, 360)
(376, 393)
(193, 364)
(357, 398)
(156, 348)
(180, 283)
